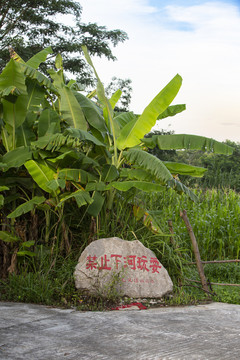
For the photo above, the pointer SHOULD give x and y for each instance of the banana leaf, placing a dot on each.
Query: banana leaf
(140, 185)
(39, 77)
(185, 169)
(14, 114)
(82, 135)
(41, 173)
(8, 237)
(109, 173)
(12, 80)
(187, 142)
(132, 133)
(39, 58)
(48, 122)
(82, 198)
(172, 111)
(95, 208)
(27, 206)
(135, 174)
(69, 107)
(92, 113)
(17, 157)
(148, 162)
(77, 175)
(181, 189)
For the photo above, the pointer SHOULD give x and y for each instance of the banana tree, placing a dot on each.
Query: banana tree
(63, 146)
(127, 163)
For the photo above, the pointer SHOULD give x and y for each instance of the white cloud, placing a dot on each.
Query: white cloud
(207, 58)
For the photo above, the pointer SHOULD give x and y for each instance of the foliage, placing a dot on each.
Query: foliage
(49, 280)
(222, 170)
(214, 218)
(29, 26)
(62, 150)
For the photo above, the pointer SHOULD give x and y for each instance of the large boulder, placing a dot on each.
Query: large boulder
(124, 267)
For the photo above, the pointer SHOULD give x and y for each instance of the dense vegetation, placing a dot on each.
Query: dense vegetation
(222, 170)
(74, 169)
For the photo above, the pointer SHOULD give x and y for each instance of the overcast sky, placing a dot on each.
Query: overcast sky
(200, 40)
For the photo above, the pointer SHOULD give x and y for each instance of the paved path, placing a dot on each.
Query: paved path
(34, 332)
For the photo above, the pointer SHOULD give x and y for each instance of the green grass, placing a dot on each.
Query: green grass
(48, 278)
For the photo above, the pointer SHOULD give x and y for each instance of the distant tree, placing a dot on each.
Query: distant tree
(125, 86)
(223, 171)
(28, 26)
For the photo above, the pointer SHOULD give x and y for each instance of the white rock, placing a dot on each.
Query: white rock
(114, 266)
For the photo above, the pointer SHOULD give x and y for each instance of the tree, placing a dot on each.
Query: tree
(28, 26)
(125, 86)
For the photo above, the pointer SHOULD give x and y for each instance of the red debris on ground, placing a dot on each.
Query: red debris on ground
(128, 306)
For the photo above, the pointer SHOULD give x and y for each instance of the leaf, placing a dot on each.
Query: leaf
(138, 212)
(187, 142)
(8, 237)
(96, 186)
(132, 133)
(184, 169)
(114, 98)
(26, 253)
(54, 142)
(140, 185)
(27, 206)
(14, 114)
(36, 75)
(41, 173)
(182, 189)
(121, 120)
(24, 135)
(172, 111)
(16, 180)
(12, 79)
(77, 175)
(71, 110)
(36, 95)
(124, 118)
(109, 173)
(68, 105)
(82, 135)
(48, 122)
(55, 184)
(38, 58)
(28, 244)
(148, 162)
(107, 108)
(82, 198)
(3, 188)
(152, 223)
(91, 112)
(95, 208)
(136, 174)
(1, 200)
(17, 157)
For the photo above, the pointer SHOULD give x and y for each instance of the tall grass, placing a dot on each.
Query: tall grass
(215, 220)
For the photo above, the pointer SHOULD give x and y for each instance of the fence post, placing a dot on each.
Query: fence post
(183, 215)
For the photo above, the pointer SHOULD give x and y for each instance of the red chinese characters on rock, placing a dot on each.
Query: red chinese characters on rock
(132, 262)
(91, 262)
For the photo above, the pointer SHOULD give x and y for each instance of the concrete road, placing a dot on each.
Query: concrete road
(34, 332)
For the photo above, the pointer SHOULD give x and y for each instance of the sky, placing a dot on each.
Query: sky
(200, 40)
